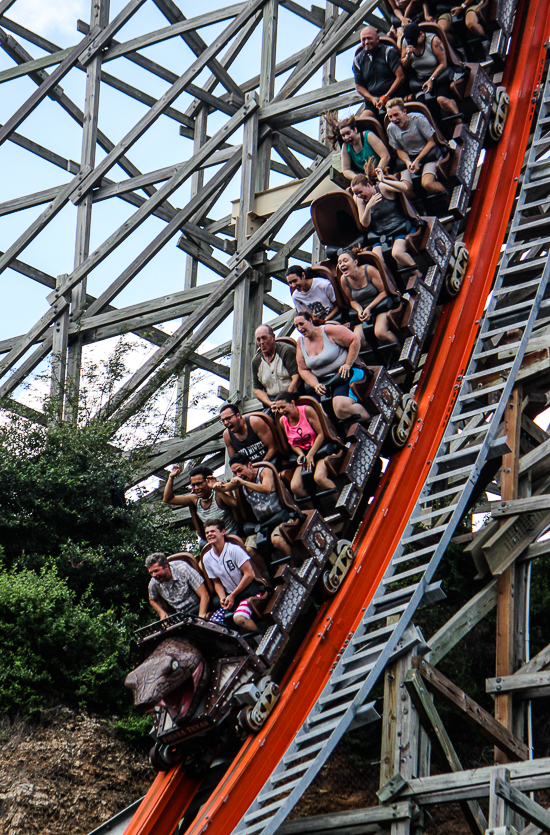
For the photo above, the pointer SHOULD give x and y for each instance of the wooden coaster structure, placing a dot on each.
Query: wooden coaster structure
(268, 121)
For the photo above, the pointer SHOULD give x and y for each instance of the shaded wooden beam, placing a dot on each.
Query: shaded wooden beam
(172, 31)
(523, 805)
(462, 622)
(537, 684)
(471, 711)
(435, 729)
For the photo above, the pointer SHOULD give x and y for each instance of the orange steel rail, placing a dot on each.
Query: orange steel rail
(387, 515)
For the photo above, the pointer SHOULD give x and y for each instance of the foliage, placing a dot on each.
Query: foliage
(135, 729)
(62, 499)
(56, 648)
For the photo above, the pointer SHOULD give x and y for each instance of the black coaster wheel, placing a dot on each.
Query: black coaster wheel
(455, 274)
(164, 757)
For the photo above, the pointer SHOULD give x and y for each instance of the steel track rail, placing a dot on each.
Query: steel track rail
(448, 487)
(319, 702)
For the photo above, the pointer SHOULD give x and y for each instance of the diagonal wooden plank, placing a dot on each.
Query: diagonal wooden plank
(168, 359)
(172, 31)
(486, 724)
(324, 48)
(107, 34)
(439, 737)
(171, 94)
(46, 87)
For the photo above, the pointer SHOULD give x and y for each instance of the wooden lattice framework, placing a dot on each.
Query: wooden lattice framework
(248, 129)
(247, 258)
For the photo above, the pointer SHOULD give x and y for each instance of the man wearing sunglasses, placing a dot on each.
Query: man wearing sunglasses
(205, 503)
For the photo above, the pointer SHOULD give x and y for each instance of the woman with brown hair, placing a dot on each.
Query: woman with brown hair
(380, 211)
(356, 147)
(365, 289)
(324, 351)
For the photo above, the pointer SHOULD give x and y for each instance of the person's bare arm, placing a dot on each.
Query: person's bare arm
(416, 164)
(225, 501)
(158, 609)
(294, 383)
(265, 435)
(366, 95)
(399, 79)
(315, 424)
(169, 497)
(346, 339)
(439, 51)
(379, 149)
(263, 397)
(347, 170)
(265, 485)
(219, 589)
(204, 600)
(228, 445)
(246, 579)
(364, 208)
(403, 156)
(332, 313)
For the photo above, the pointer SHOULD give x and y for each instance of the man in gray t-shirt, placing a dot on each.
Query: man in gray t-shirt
(274, 367)
(413, 138)
(175, 585)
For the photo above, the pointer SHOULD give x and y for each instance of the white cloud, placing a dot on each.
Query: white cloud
(48, 17)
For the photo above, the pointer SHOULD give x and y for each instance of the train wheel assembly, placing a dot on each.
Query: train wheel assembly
(499, 113)
(455, 274)
(339, 564)
(252, 719)
(402, 427)
(164, 757)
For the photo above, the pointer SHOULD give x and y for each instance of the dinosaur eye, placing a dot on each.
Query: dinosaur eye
(175, 664)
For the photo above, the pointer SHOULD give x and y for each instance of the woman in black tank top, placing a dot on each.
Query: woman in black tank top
(364, 287)
(370, 192)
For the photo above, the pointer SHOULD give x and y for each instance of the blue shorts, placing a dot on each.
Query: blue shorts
(343, 389)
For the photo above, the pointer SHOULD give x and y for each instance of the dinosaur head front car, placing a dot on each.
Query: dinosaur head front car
(175, 676)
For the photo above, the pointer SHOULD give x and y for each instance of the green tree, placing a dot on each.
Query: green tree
(56, 648)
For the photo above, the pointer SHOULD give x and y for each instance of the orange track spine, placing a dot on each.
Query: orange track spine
(387, 516)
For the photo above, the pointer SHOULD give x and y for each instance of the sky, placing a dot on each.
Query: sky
(24, 300)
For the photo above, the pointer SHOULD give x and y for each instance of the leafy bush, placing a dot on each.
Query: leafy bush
(62, 499)
(56, 648)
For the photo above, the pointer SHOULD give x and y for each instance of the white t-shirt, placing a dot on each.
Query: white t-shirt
(319, 299)
(227, 567)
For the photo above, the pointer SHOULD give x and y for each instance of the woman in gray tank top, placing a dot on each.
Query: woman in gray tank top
(324, 350)
(365, 289)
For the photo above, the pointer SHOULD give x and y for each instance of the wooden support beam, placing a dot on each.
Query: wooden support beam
(522, 804)
(532, 504)
(506, 644)
(435, 729)
(530, 775)
(499, 812)
(471, 711)
(46, 87)
(159, 35)
(462, 622)
(352, 817)
(518, 684)
(169, 96)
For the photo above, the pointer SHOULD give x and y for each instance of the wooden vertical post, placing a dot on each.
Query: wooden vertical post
(400, 731)
(191, 270)
(505, 637)
(59, 347)
(329, 77)
(99, 16)
(241, 315)
(267, 85)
